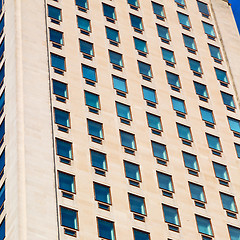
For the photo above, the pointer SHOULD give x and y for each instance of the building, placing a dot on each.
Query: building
(119, 120)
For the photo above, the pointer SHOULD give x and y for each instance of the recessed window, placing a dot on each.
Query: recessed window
(222, 77)
(2, 74)
(128, 141)
(165, 183)
(89, 73)
(92, 101)
(140, 235)
(163, 33)
(120, 85)
(181, 3)
(228, 101)
(64, 150)
(204, 226)
(56, 38)
(190, 162)
(2, 197)
(116, 60)
(60, 90)
(102, 195)
(2, 163)
(136, 23)
(171, 217)
(184, 21)
(109, 13)
(86, 48)
(234, 232)
(195, 66)
(150, 96)
(95, 130)
(2, 103)
(184, 133)
(67, 184)
(54, 14)
(140, 46)
(201, 91)
(190, 43)
(158, 11)
(221, 173)
(113, 36)
(179, 107)
(207, 116)
(133, 4)
(2, 229)
(2, 24)
(84, 25)
(229, 204)
(2, 132)
(160, 152)
(173, 81)
(215, 53)
(154, 122)
(62, 119)
(2, 49)
(137, 206)
(237, 146)
(203, 8)
(234, 126)
(99, 162)
(105, 229)
(214, 144)
(132, 172)
(82, 5)
(145, 70)
(58, 63)
(124, 112)
(197, 194)
(209, 30)
(168, 56)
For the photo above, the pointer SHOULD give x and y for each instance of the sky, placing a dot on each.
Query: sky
(236, 11)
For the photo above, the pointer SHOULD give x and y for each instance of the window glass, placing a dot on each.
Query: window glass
(209, 30)
(178, 105)
(112, 34)
(119, 84)
(109, 11)
(2, 229)
(2, 194)
(133, 2)
(89, 73)
(60, 89)
(171, 215)
(2, 24)
(234, 232)
(200, 89)
(149, 94)
(69, 218)
(182, 2)
(98, 159)
(197, 192)
(221, 75)
(2, 48)
(154, 121)
(95, 129)
(102, 193)
(62, 117)
(168, 55)
(2, 73)
(228, 202)
(58, 61)
(86, 47)
(56, 36)
(158, 9)
(140, 235)
(228, 99)
(2, 161)
(64, 148)
(137, 204)
(203, 8)
(213, 142)
(189, 42)
(54, 13)
(2, 102)
(215, 52)
(2, 131)
(184, 19)
(184, 132)
(82, 3)
(207, 115)
(190, 161)
(220, 171)
(234, 124)
(165, 181)
(163, 32)
(66, 182)
(123, 111)
(127, 140)
(92, 100)
(84, 23)
(204, 225)
(173, 79)
(237, 146)
(195, 65)
(132, 171)
(116, 58)
(159, 150)
(140, 45)
(136, 22)
(145, 69)
(105, 229)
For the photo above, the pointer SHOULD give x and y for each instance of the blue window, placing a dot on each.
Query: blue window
(105, 229)
(201, 90)
(136, 23)
(195, 66)
(180, 3)
(213, 142)
(221, 171)
(102, 193)
(84, 24)
(184, 20)
(203, 8)
(2, 49)
(165, 181)
(204, 225)
(89, 73)
(173, 80)
(2, 102)
(56, 36)
(189, 42)
(159, 151)
(171, 215)
(163, 33)
(86, 47)
(228, 202)
(234, 232)
(116, 58)
(132, 171)
(149, 94)
(60, 89)
(133, 3)
(95, 129)
(215, 52)
(58, 62)
(158, 10)
(154, 122)
(2, 163)
(234, 124)
(66, 182)
(2, 132)
(140, 235)
(92, 100)
(197, 192)
(209, 30)
(119, 84)
(69, 218)
(2, 74)
(140, 45)
(237, 146)
(109, 12)
(190, 161)
(2, 229)
(179, 106)
(207, 115)
(127, 140)
(62, 117)
(137, 204)
(64, 148)
(123, 111)
(228, 99)
(2, 195)
(82, 3)
(184, 132)
(54, 13)
(2, 23)
(168, 56)
(112, 35)
(145, 69)
(221, 75)
(98, 160)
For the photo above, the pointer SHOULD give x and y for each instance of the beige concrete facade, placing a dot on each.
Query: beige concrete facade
(33, 196)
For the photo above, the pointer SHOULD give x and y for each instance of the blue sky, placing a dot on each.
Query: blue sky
(236, 11)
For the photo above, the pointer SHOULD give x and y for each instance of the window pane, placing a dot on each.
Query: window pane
(62, 117)
(54, 13)
(213, 142)
(66, 182)
(60, 89)
(136, 22)
(2, 194)
(228, 202)
(89, 73)
(106, 229)
(109, 11)
(173, 79)
(234, 232)
(228, 99)
(123, 111)
(165, 181)
(102, 193)
(209, 30)
(158, 9)
(220, 171)
(163, 32)
(119, 84)
(137, 204)
(2, 230)
(127, 140)
(168, 55)
(83, 23)
(69, 218)
(149, 94)
(207, 115)
(116, 58)
(112, 34)
(189, 42)
(2, 101)
(183, 19)
(159, 150)
(203, 8)
(154, 121)
(190, 161)
(195, 65)
(133, 2)
(197, 192)
(234, 124)
(201, 89)
(184, 132)
(56, 36)
(180, 2)
(178, 105)
(82, 3)
(92, 100)
(58, 61)
(204, 225)
(215, 52)
(64, 148)
(171, 215)
(221, 75)
(140, 45)
(144, 69)
(237, 146)
(95, 129)
(140, 235)
(86, 47)
(2, 161)
(98, 159)
(132, 171)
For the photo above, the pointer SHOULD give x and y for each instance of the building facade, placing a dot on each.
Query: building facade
(119, 120)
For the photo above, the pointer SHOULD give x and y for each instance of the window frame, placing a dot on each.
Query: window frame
(222, 181)
(174, 87)
(84, 31)
(208, 35)
(66, 193)
(203, 14)
(185, 141)
(217, 60)
(136, 29)
(98, 170)
(59, 97)
(55, 44)
(160, 160)
(94, 138)
(54, 20)
(215, 151)
(88, 80)
(134, 7)
(198, 74)
(179, 113)
(188, 28)
(61, 127)
(80, 8)
(164, 40)
(168, 63)
(201, 97)
(208, 123)
(126, 148)
(144, 76)
(133, 182)
(56, 69)
(194, 172)
(109, 19)
(150, 103)
(123, 119)
(160, 17)
(197, 202)
(62, 158)
(92, 109)
(230, 213)
(87, 55)
(191, 50)
(155, 130)
(111, 41)
(113, 224)
(140, 52)
(116, 66)
(119, 92)
(166, 192)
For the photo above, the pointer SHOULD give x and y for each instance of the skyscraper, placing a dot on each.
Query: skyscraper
(119, 120)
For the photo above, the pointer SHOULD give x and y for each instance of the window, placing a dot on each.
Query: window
(137, 206)
(180, 3)
(136, 23)
(66, 183)
(184, 21)
(184, 133)
(64, 150)
(89, 73)
(229, 204)
(102, 195)
(204, 226)
(140, 235)
(2, 163)
(168, 56)
(165, 183)
(123, 111)
(105, 229)
(133, 4)
(221, 173)
(60, 90)
(158, 11)
(2, 132)
(99, 162)
(215, 53)
(132, 172)
(234, 232)
(62, 119)
(2, 103)
(190, 43)
(222, 77)
(84, 25)
(173, 81)
(54, 14)
(150, 96)
(228, 101)
(179, 107)
(58, 63)
(120, 85)
(145, 70)
(197, 194)
(109, 13)
(92, 101)
(116, 60)
(160, 152)
(128, 141)
(190, 162)
(237, 146)
(203, 8)
(141, 46)
(171, 217)
(234, 126)
(163, 33)
(154, 123)
(113, 36)
(2, 230)
(56, 38)
(209, 30)
(95, 130)
(69, 220)
(2, 74)
(195, 66)
(2, 197)
(82, 5)
(2, 24)
(207, 116)
(87, 49)
(201, 91)
(214, 144)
